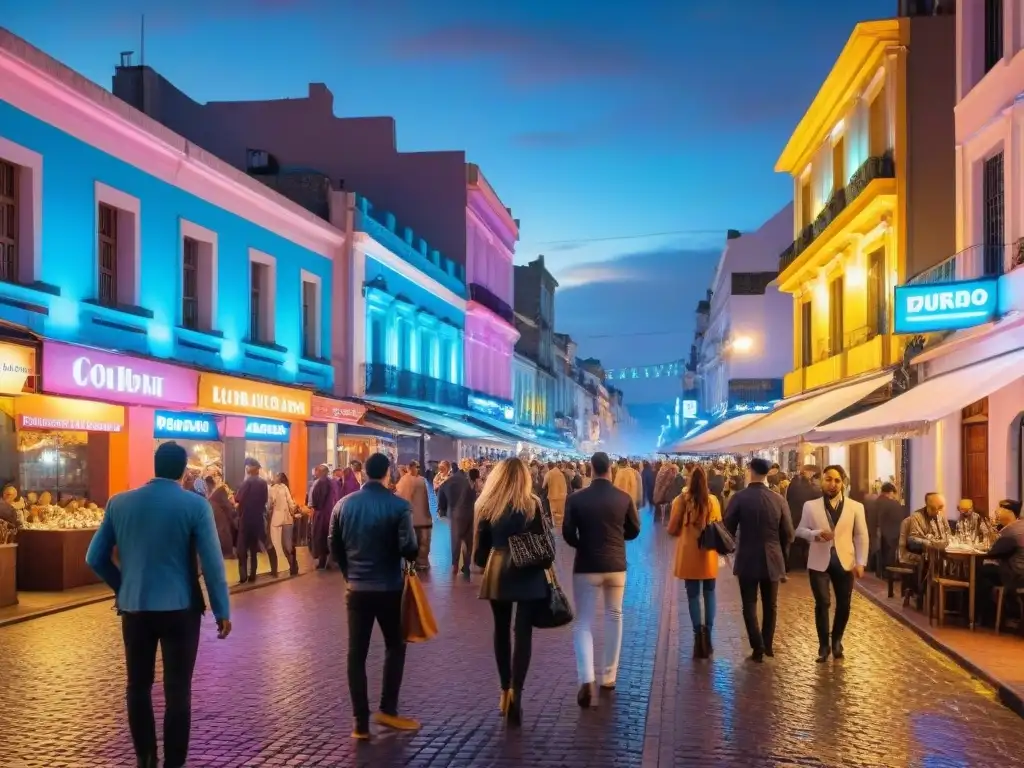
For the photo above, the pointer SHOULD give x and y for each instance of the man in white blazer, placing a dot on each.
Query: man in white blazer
(837, 531)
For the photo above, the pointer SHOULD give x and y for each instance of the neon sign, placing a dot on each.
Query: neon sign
(945, 306)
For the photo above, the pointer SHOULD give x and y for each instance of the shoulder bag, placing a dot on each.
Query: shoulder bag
(555, 611)
(533, 550)
(716, 538)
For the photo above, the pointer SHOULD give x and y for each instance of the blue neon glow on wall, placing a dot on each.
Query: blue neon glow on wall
(68, 265)
(267, 430)
(927, 308)
(170, 425)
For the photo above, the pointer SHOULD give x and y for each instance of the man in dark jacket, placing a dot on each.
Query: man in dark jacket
(765, 533)
(716, 485)
(598, 522)
(888, 515)
(802, 489)
(455, 501)
(251, 497)
(371, 534)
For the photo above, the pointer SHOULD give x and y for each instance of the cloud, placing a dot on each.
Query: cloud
(528, 57)
(634, 310)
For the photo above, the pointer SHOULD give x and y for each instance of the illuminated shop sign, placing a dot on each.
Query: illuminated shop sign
(186, 426)
(494, 408)
(945, 306)
(267, 430)
(17, 363)
(85, 372)
(225, 393)
(689, 409)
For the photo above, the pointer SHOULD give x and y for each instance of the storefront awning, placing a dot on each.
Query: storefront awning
(792, 420)
(912, 412)
(718, 432)
(433, 422)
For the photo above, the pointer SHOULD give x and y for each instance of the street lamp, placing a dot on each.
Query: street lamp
(742, 344)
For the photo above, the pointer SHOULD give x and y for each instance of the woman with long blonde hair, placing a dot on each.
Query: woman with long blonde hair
(691, 512)
(506, 508)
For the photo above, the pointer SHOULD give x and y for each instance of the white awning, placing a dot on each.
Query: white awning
(718, 432)
(912, 412)
(792, 420)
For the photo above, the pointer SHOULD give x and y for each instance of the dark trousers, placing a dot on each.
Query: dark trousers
(760, 637)
(513, 659)
(462, 543)
(842, 584)
(365, 608)
(177, 634)
(248, 555)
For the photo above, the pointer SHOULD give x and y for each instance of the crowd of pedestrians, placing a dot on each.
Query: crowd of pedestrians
(376, 525)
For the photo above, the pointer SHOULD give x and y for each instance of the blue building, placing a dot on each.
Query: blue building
(118, 235)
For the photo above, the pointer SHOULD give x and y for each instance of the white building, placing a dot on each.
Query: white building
(747, 347)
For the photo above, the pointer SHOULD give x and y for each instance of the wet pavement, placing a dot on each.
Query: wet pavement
(274, 694)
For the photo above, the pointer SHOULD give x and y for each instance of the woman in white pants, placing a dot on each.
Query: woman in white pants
(282, 518)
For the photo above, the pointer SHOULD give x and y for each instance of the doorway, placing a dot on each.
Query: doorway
(974, 455)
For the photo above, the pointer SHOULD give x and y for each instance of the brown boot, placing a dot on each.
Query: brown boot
(709, 649)
(698, 643)
(585, 695)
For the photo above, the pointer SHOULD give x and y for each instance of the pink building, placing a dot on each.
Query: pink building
(438, 194)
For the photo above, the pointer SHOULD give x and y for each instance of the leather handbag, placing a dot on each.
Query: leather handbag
(418, 622)
(533, 550)
(716, 538)
(555, 611)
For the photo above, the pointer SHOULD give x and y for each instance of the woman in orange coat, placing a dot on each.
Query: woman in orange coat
(691, 511)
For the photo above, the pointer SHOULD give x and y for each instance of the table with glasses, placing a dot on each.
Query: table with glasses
(960, 554)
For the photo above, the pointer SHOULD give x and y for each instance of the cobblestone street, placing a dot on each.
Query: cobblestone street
(275, 694)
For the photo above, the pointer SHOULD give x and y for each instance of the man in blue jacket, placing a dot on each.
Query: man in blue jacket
(371, 537)
(159, 530)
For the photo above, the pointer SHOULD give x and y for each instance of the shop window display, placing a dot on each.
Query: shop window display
(269, 455)
(204, 456)
(53, 462)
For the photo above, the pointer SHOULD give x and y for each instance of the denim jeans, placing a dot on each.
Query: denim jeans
(694, 588)
(586, 587)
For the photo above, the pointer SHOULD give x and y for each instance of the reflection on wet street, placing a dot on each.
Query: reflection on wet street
(275, 693)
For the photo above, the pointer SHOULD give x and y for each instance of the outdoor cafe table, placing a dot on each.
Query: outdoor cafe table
(961, 554)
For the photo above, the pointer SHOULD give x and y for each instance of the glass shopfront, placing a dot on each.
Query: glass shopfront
(198, 433)
(266, 441)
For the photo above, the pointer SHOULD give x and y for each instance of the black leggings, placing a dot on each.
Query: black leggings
(513, 664)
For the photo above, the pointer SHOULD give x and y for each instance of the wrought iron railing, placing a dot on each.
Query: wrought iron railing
(384, 379)
(487, 298)
(877, 167)
(984, 260)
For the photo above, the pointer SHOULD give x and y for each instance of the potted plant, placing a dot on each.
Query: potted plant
(8, 564)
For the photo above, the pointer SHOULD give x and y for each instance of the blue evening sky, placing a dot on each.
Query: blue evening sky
(593, 120)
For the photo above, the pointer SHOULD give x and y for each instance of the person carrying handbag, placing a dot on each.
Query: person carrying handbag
(692, 511)
(515, 548)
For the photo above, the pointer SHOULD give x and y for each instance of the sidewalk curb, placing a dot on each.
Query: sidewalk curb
(1007, 696)
(42, 612)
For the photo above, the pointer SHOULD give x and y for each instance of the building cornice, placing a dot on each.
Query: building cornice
(382, 255)
(42, 87)
(856, 66)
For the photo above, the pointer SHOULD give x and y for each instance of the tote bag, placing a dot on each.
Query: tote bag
(418, 623)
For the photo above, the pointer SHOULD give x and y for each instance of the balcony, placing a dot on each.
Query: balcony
(878, 167)
(390, 381)
(486, 298)
(973, 263)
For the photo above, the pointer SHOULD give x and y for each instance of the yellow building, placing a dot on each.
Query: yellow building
(873, 173)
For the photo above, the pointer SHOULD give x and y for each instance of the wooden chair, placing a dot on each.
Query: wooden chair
(1000, 596)
(901, 572)
(947, 574)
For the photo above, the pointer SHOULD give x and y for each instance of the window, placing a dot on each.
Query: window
(805, 201)
(118, 250)
(993, 213)
(21, 198)
(190, 283)
(108, 255)
(311, 314)
(198, 277)
(878, 130)
(835, 316)
(262, 279)
(876, 293)
(751, 283)
(993, 33)
(8, 222)
(839, 164)
(806, 339)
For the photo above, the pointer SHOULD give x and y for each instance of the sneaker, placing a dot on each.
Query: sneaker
(396, 722)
